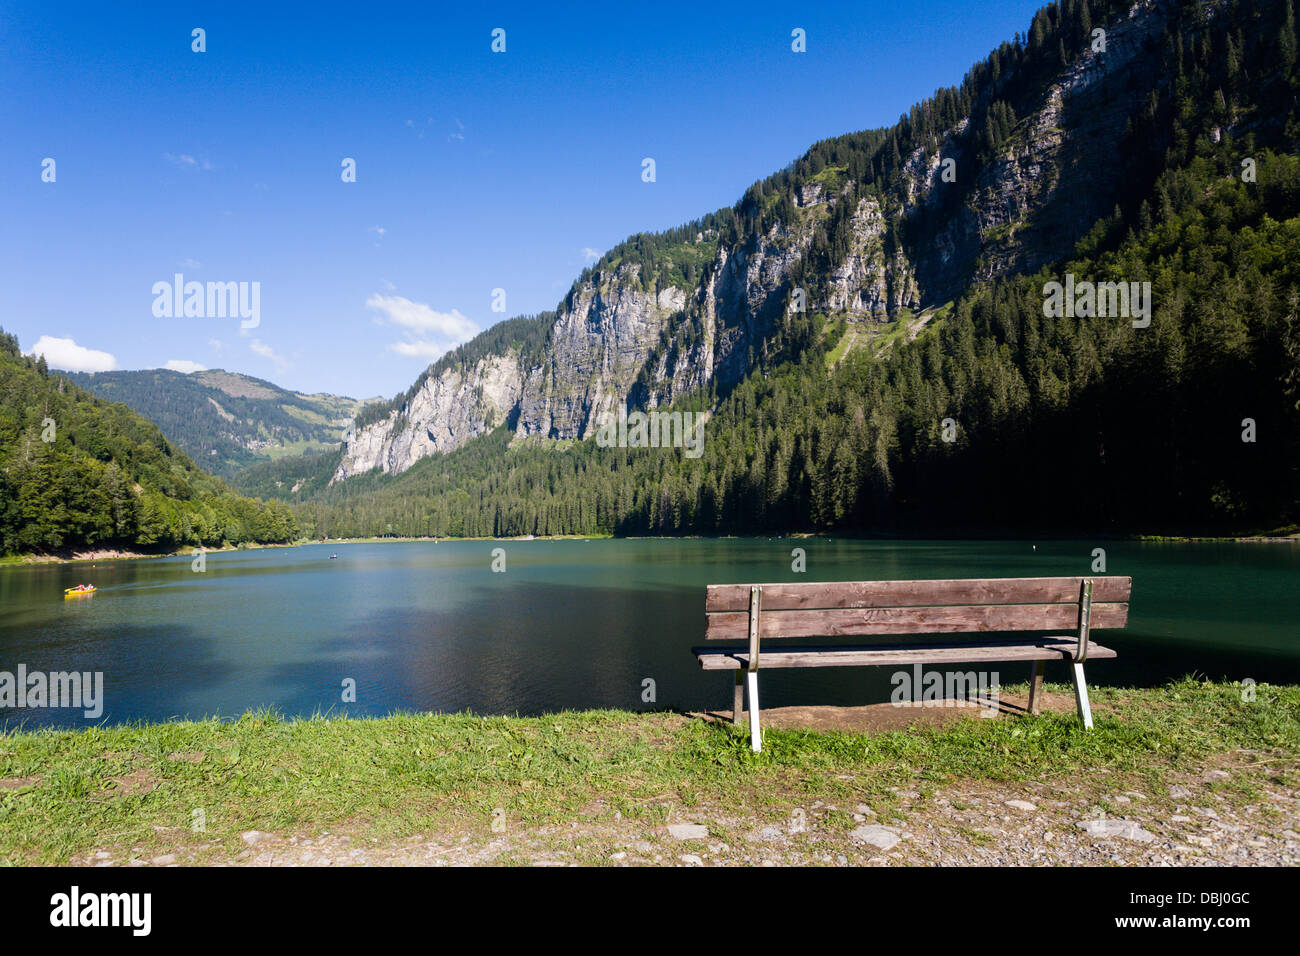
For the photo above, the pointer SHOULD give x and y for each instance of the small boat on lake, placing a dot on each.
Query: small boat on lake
(79, 590)
(333, 556)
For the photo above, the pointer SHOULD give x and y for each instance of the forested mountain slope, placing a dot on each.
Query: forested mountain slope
(78, 471)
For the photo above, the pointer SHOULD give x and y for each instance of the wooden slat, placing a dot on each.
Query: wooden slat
(1046, 649)
(962, 591)
(845, 622)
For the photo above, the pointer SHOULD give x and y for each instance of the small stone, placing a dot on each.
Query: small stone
(1178, 792)
(253, 837)
(688, 831)
(1021, 805)
(690, 859)
(620, 855)
(1126, 829)
(102, 855)
(1217, 775)
(880, 837)
(164, 860)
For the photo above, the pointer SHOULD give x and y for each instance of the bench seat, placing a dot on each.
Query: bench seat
(1036, 649)
(1002, 619)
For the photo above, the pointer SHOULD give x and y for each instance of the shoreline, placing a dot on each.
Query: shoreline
(121, 554)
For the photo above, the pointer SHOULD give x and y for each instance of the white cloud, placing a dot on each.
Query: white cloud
(186, 161)
(184, 365)
(459, 133)
(429, 333)
(71, 357)
(590, 253)
(419, 317)
(264, 350)
(429, 350)
(216, 345)
(377, 230)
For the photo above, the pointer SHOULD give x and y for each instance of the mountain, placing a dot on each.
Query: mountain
(226, 420)
(869, 329)
(1044, 138)
(78, 471)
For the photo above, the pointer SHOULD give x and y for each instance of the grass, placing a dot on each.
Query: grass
(847, 335)
(831, 178)
(301, 447)
(68, 792)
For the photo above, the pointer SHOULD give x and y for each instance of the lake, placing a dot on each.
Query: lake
(571, 624)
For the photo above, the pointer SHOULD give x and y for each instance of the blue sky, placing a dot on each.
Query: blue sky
(475, 170)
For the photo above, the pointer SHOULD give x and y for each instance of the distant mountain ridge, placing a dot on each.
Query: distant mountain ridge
(227, 421)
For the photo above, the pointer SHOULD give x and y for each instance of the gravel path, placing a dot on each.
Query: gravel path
(1231, 814)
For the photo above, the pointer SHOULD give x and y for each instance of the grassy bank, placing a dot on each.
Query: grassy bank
(138, 787)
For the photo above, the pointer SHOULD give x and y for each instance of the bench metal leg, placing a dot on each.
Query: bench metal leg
(755, 738)
(738, 698)
(1081, 695)
(1036, 686)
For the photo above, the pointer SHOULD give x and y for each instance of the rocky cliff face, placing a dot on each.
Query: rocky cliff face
(445, 413)
(1050, 181)
(1056, 176)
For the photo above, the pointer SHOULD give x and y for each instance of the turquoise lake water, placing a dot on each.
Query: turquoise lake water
(571, 624)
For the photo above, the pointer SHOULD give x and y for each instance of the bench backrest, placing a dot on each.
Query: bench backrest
(870, 608)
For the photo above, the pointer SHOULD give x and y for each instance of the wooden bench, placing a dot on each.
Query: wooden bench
(986, 608)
